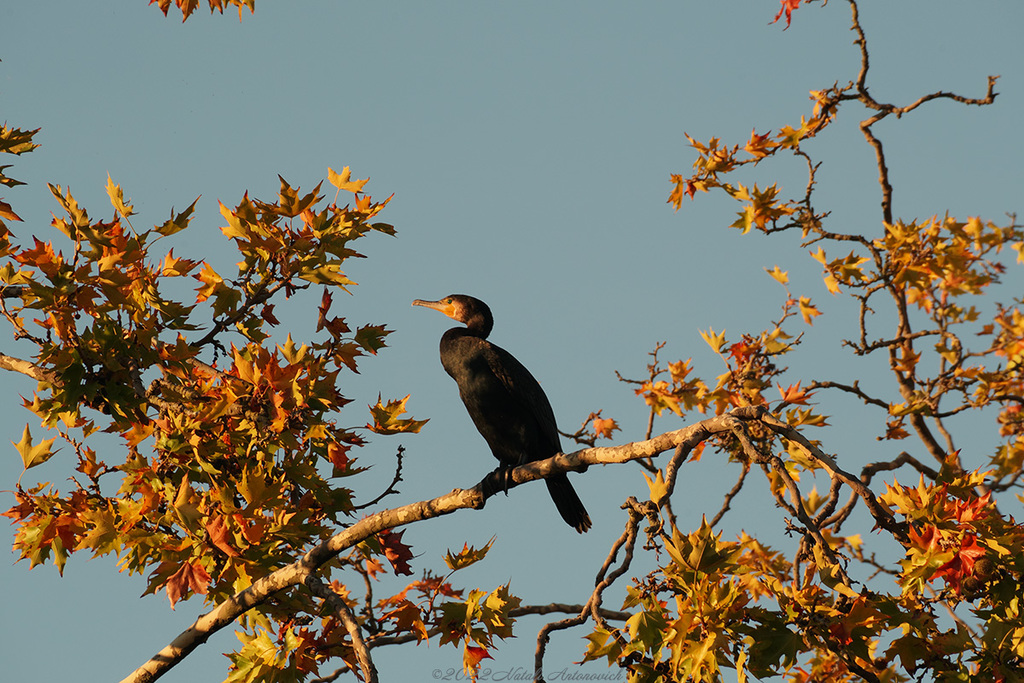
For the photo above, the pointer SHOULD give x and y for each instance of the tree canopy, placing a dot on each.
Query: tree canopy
(219, 452)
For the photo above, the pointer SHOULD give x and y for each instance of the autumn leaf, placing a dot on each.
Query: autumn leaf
(371, 337)
(386, 418)
(117, 199)
(178, 221)
(191, 576)
(808, 311)
(220, 535)
(658, 487)
(787, 8)
(343, 180)
(782, 276)
(34, 455)
(397, 553)
(7, 212)
(471, 658)
(603, 427)
(794, 394)
(102, 536)
(962, 564)
(467, 556)
(715, 340)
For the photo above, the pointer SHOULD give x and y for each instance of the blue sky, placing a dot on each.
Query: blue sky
(529, 146)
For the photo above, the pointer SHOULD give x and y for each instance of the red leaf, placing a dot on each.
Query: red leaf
(962, 564)
(190, 576)
(268, 314)
(398, 553)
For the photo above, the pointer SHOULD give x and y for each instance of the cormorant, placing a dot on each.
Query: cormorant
(506, 403)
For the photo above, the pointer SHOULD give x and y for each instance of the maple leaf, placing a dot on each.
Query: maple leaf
(759, 146)
(782, 276)
(398, 553)
(604, 427)
(386, 420)
(337, 454)
(16, 141)
(808, 311)
(467, 556)
(343, 180)
(658, 487)
(220, 535)
(34, 455)
(211, 282)
(267, 313)
(794, 394)
(7, 212)
(117, 199)
(408, 619)
(102, 536)
(371, 337)
(715, 340)
(471, 658)
(191, 576)
(177, 222)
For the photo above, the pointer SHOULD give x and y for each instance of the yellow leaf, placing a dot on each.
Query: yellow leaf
(715, 341)
(386, 418)
(33, 455)
(782, 276)
(117, 199)
(343, 181)
(658, 487)
(808, 311)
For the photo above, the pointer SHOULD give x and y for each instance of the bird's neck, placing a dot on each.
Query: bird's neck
(479, 325)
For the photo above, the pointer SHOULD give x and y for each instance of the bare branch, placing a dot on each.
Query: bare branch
(391, 487)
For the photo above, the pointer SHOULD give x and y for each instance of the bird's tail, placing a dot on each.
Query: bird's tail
(568, 503)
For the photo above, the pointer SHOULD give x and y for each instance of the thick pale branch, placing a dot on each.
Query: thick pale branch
(26, 368)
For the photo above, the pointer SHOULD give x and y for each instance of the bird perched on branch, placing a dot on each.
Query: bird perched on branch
(506, 403)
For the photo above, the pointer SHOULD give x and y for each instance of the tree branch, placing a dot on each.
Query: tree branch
(475, 498)
(26, 368)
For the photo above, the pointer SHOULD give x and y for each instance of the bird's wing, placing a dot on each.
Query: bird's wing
(524, 389)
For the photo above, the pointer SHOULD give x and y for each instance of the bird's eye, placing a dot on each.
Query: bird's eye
(448, 301)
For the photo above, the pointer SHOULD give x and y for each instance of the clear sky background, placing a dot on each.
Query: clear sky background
(529, 146)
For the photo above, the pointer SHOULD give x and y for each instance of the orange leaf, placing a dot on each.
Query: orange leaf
(471, 658)
(794, 394)
(787, 8)
(192, 577)
(604, 427)
(220, 535)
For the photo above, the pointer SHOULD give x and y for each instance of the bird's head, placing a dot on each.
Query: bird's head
(467, 310)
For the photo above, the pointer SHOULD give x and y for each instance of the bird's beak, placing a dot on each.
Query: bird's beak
(442, 305)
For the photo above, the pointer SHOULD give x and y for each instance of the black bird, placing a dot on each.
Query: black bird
(506, 403)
